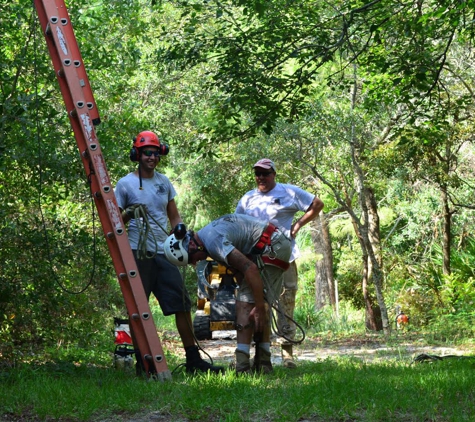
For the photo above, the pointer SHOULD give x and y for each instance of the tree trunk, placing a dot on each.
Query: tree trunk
(374, 262)
(375, 244)
(446, 241)
(373, 225)
(368, 226)
(328, 257)
(373, 318)
(324, 286)
(372, 313)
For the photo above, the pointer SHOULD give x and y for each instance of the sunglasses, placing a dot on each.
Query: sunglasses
(262, 173)
(149, 153)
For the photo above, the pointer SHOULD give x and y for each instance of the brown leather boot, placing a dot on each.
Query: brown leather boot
(287, 356)
(263, 364)
(243, 365)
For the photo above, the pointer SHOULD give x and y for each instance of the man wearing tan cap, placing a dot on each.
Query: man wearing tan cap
(277, 203)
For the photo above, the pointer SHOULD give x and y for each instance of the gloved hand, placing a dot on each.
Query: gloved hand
(130, 211)
(179, 231)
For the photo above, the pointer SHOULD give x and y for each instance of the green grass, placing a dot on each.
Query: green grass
(342, 389)
(79, 384)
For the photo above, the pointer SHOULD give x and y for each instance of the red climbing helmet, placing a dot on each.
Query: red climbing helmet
(146, 139)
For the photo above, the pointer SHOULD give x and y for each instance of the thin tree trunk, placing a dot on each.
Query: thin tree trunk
(373, 319)
(366, 228)
(324, 286)
(373, 263)
(446, 241)
(375, 244)
(372, 313)
(373, 225)
(328, 257)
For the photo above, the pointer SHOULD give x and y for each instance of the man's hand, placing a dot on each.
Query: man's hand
(130, 211)
(260, 316)
(179, 231)
(251, 274)
(294, 229)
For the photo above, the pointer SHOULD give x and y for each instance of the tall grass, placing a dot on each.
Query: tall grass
(326, 321)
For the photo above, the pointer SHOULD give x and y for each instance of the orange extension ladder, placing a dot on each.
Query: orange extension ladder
(83, 115)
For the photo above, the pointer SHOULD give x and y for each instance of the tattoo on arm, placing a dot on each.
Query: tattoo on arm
(246, 266)
(239, 261)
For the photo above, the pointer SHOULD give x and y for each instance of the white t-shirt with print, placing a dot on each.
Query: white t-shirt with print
(278, 206)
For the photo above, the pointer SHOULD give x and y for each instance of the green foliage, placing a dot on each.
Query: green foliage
(453, 327)
(207, 188)
(432, 298)
(256, 66)
(459, 293)
(417, 301)
(267, 59)
(47, 242)
(347, 263)
(325, 321)
(457, 289)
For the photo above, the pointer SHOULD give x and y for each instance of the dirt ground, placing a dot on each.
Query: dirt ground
(369, 348)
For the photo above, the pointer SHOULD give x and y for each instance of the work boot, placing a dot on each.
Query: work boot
(243, 365)
(262, 363)
(287, 356)
(195, 364)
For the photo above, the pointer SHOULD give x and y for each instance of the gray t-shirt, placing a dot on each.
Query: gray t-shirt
(231, 231)
(157, 192)
(278, 206)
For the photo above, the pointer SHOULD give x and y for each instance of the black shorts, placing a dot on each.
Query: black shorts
(164, 280)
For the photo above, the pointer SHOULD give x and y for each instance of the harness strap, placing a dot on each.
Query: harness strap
(276, 262)
(265, 239)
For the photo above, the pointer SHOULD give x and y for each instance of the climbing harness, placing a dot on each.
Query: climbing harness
(267, 259)
(264, 241)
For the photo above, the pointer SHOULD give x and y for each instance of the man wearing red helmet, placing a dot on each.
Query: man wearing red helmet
(147, 190)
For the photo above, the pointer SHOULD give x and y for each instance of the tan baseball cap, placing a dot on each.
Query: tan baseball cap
(265, 163)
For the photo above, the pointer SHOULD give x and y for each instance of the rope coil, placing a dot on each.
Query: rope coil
(142, 219)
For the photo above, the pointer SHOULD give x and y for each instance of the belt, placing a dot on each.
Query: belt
(276, 262)
(264, 241)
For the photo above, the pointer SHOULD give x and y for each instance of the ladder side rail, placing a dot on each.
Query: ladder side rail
(82, 113)
(67, 27)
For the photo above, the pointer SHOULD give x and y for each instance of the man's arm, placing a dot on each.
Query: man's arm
(173, 214)
(311, 213)
(125, 217)
(239, 208)
(249, 270)
(130, 211)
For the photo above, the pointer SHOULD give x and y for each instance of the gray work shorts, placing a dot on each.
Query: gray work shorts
(272, 275)
(164, 280)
